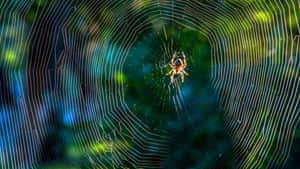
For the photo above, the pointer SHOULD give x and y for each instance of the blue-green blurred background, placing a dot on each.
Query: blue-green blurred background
(78, 90)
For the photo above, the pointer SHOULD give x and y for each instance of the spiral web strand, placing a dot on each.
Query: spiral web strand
(67, 58)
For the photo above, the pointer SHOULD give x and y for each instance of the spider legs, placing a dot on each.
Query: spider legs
(184, 59)
(169, 72)
(172, 78)
(172, 73)
(185, 72)
(182, 73)
(173, 57)
(182, 77)
(183, 54)
(178, 67)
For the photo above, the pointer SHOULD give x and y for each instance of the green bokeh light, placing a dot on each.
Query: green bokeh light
(120, 77)
(261, 16)
(10, 56)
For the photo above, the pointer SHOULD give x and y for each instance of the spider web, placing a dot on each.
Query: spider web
(68, 66)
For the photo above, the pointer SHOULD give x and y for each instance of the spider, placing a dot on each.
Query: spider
(177, 66)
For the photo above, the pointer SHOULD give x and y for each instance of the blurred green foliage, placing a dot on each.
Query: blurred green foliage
(195, 124)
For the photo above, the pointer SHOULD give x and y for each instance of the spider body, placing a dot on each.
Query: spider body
(177, 66)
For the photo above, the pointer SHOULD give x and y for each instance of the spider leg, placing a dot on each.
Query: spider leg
(185, 72)
(172, 77)
(184, 59)
(171, 71)
(182, 77)
(173, 57)
(183, 54)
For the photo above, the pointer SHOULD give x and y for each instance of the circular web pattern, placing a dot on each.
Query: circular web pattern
(72, 67)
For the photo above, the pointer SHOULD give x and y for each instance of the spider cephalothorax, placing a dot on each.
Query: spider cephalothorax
(177, 66)
(177, 63)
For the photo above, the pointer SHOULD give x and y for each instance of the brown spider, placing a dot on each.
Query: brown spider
(177, 66)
